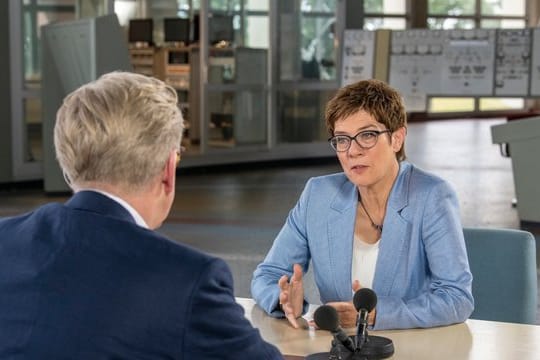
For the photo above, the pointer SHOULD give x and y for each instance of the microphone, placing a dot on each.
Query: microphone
(366, 347)
(326, 318)
(364, 301)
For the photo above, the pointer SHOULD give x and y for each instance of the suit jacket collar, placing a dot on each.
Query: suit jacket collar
(95, 202)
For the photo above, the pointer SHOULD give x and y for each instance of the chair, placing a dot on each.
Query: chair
(503, 265)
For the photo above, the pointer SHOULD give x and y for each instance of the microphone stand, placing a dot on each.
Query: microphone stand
(361, 329)
(336, 352)
(366, 347)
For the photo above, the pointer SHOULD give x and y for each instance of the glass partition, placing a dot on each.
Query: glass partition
(237, 118)
(221, 125)
(36, 14)
(307, 40)
(33, 147)
(26, 20)
(301, 116)
(233, 109)
(224, 88)
(306, 59)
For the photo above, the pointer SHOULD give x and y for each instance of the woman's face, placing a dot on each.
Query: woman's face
(367, 167)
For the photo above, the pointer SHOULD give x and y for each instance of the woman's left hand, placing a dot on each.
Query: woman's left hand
(347, 313)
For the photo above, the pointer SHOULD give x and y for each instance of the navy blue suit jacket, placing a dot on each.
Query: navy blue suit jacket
(82, 281)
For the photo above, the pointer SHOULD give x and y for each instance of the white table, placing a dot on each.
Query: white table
(474, 339)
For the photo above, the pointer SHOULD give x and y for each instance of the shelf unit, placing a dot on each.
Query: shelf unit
(143, 60)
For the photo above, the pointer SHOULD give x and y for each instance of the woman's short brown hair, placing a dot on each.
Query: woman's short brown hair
(375, 97)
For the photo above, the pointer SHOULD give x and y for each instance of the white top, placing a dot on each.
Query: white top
(136, 216)
(364, 260)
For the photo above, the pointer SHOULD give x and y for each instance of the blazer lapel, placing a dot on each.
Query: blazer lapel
(396, 234)
(340, 238)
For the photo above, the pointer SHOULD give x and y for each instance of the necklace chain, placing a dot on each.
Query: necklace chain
(373, 224)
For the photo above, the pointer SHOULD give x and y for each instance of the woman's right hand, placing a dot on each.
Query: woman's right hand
(291, 295)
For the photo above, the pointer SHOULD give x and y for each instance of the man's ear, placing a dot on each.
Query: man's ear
(169, 173)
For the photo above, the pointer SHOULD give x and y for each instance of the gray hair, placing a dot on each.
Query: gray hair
(118, 129)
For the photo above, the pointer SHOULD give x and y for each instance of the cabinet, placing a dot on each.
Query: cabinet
(173, 66)
(522, 140)
(170, 64)
(142, 60)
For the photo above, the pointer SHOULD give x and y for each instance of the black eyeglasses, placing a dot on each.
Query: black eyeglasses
(365, 139)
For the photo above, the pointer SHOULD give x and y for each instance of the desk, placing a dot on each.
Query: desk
(474, 339)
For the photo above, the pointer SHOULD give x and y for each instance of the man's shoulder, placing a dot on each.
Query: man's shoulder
(90, 229)
(33, 217)
(148, 246)
(174, 248)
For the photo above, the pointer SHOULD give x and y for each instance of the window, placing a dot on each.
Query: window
(318, 53)
(385, 14)
(463, 14)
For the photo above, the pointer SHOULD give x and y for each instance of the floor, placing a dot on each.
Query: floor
(235, 212)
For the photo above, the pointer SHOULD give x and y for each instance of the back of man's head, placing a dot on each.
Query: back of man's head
(119, 129)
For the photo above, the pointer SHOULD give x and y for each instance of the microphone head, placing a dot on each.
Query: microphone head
(326, 318)
(365, 299)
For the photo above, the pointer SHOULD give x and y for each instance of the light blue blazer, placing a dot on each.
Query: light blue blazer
(422, 276)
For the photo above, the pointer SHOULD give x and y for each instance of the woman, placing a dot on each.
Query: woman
(383, 223)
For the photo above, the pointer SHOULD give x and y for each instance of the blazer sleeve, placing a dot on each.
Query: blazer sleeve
(447, 296)
(217, 327)
(290, 247)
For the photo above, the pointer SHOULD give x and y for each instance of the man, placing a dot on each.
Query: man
(89, 279)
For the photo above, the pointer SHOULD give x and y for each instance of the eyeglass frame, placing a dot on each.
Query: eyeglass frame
(351, 138)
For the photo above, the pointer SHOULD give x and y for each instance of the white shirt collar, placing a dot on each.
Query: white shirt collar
(136, 216)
